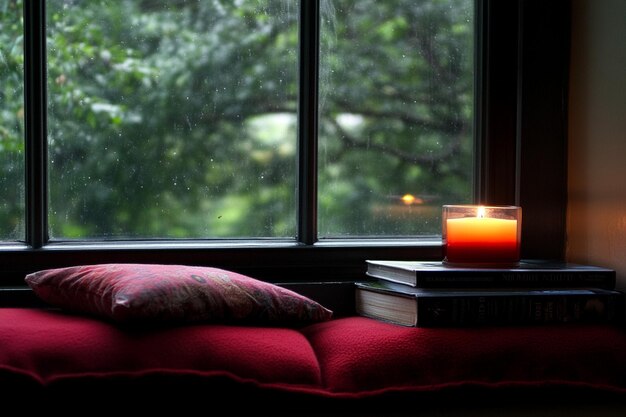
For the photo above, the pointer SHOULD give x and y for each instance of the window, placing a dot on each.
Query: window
(395, 115)
(172, 119)
(11, 122)
(289, 138)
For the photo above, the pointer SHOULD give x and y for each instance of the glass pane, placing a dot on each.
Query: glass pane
(11, 121)
(396, 116)
(172, 119)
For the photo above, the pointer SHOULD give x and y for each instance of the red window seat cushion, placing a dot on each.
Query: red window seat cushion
(339, 360)
(366, 357)
(50, 346)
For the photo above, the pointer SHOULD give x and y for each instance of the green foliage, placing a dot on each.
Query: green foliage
(11, 121)
(178, 119)
(405, 69)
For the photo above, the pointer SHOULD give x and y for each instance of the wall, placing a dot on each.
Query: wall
(596, 218)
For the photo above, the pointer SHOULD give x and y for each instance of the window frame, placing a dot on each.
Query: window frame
(513, 73)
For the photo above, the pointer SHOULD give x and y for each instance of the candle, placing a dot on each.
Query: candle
(482, 235)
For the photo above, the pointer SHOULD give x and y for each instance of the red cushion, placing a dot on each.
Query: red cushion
(364, 356)
(51, 346)
(340, 359)
(172, 293)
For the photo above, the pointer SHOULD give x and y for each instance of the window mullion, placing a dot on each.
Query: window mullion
(307, 120)
(496, 107)
(35, 122)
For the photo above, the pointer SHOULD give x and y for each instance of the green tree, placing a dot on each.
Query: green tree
(405, 69)
(11, 121)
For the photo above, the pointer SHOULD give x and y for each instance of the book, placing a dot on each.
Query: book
(427, 307)
(529, 273)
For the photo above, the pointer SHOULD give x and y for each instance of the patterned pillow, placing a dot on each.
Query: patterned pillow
(172, 293)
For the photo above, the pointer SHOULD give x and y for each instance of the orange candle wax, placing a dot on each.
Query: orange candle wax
(481, 239)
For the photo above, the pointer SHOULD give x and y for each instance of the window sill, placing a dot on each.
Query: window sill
(270, 260)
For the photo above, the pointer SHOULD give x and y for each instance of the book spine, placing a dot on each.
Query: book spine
(519, 309)
(520, 280)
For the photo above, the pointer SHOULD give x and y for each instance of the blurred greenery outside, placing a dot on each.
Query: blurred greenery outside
(178, 119)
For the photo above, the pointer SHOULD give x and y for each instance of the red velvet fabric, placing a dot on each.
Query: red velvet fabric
(363, 356)
(344, 358)
(50, 346)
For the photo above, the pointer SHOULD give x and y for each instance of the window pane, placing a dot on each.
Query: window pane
(172, 119)
(396, 116)
(11, 121)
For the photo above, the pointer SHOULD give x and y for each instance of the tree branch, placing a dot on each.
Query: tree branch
(431, 160)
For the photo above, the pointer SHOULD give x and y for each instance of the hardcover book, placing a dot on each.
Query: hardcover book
(419, 307)
(529, 273)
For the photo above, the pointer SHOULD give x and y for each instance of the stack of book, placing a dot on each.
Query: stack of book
(432, 294)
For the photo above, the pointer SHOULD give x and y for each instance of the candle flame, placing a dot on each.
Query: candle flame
(481, 212)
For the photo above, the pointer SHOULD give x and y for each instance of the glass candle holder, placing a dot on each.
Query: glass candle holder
(488, 236)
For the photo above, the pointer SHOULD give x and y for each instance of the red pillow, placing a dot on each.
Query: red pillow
(171, 293)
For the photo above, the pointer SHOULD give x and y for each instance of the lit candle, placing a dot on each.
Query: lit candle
(485, 235)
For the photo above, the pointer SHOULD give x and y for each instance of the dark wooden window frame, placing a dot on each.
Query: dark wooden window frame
(522, 58)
